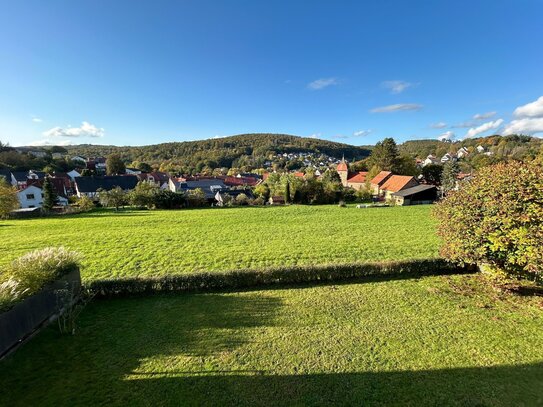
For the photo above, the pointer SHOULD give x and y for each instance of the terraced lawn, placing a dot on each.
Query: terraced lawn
(433, 341)
(150, 243)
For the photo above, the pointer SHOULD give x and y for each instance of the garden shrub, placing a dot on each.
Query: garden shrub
(40, 267)
(10, 292)
(237, 279)
(496, 220)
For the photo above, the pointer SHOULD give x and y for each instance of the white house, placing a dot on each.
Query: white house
(32, 197)
(480, 149)
(462, 152)
(431, 159)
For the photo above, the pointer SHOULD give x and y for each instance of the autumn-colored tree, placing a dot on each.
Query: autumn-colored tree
(496, 220)
(8, 198)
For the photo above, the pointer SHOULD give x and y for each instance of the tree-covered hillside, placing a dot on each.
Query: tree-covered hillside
(233, 151)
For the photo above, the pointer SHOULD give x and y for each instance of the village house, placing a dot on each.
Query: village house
(32, 197)
(19, 179)
(156, 178)
(431, 159)
(355, 180)
(462, 152)
(89, 186)
(209, 186)
(384, 184)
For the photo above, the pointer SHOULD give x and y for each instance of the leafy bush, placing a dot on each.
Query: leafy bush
(278, 275)
(40, 267)
(496, 220)
(85, 204)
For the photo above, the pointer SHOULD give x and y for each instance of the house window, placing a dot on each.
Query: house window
(30, 196)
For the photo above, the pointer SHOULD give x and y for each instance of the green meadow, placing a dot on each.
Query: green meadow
(431, 341)
(133, 243)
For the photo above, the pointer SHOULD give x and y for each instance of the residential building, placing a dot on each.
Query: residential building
(32, 197)
(417, 195)
(89, 186)
(355, 180)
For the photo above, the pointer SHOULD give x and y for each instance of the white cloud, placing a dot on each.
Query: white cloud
(85, 130)
(361, 133)
(396, 108)
(322, 83)
(438, 125)
(475, 131)
(448, 135)
(526, 125)
(316, 135)
(483, 116)
(533, 109)
(396, 87)
(36, 120)
(47, 142)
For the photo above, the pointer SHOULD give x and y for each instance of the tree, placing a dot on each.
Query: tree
(114, 198)
(85, 204)
(8, 199)
(242, 199)
(166, 199)
(196, 197)
(263, 191)
(50, 198)
(432, 173)
(449, 176)
(114, 165)
(496, 220)
(385, 155)
(143, 194)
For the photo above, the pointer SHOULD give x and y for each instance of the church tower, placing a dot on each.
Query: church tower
(343, 171)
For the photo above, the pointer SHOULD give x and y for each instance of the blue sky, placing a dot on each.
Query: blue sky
(135, 72)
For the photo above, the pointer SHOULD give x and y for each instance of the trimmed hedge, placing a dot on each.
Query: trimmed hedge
(279, 275)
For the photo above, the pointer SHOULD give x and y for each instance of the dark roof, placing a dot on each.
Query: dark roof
(20, 176)
(414, 190)
(94, 183)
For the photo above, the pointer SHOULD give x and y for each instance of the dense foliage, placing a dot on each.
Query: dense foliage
(496, 219)
(250, 150)
(8, 199)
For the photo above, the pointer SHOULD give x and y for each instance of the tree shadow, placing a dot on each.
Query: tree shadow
(124, 348)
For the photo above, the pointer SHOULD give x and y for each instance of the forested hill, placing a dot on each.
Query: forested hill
(226, 151)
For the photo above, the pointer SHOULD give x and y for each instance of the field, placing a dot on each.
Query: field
(151, 243)
(433, 341)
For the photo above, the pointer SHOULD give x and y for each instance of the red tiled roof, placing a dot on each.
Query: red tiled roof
(397, 182)
(299, 174)
(381, 177)
(342, 166)
(357, 177)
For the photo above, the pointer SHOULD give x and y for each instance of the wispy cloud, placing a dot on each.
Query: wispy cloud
(315, 135)
(448, 135)
(36, 119)
(362, 133)
(85, 130)
(484, 116)
(322, 83)
(475, 131)
(438, 125)
(396, 87)
(397, 108)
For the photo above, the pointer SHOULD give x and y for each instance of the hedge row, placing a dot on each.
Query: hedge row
(263, 277)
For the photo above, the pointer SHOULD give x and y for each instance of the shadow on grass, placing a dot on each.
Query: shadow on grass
(162, 350)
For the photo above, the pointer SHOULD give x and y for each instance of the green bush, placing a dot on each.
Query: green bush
(237, 279)
(40, 267)
(496, 220)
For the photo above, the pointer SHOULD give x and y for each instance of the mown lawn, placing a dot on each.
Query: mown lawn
(435, 341)
(150, 243)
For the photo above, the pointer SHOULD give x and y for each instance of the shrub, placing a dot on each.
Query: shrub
(496, 220)
(38, 268)
(236, 279)
(85, 204)
(8, 198)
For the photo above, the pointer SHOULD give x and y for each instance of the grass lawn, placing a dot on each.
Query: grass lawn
(150, 243)
(431, 341)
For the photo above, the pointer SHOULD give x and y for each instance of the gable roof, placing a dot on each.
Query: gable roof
(94, 183)
(380, 178)
(20, 176)
(397, 182)
(357, 177)
(414, 190)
